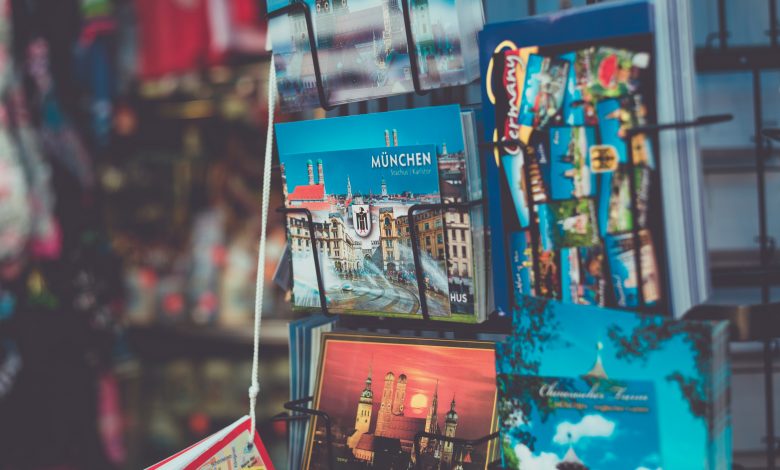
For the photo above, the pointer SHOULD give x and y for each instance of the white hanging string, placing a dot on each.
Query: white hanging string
(260, 283)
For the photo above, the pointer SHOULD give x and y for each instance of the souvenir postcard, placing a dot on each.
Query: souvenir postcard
(452, 243)
(360, 201)
(515, 177)
(545, 86)
(363, 52)
(678, 365)
(616, 215)
(381, 391)
(522, 264)
(608, 72)
(570, 168)
(620, 252)
(589, 421)
(229, 449)
(582, 275)
(445, 36)
(613, 119)
(574, 223)
(566, 108)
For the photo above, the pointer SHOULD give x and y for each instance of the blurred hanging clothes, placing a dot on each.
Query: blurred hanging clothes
(126, 47)
(57, 313)
(15, 211)
(95, 56)
(45, 237)
(174, 36)
(59, 137)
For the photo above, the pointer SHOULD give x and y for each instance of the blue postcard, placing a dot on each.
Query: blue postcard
(522, 265)
(515, 177)
(570, 168)
(439, 127)
(625, 282)
(545, 86)
(591, 421)
(679, 363)
(360, 201)
(573, 112)
(582, 275)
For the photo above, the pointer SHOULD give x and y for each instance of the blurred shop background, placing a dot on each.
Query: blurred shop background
(128, 242)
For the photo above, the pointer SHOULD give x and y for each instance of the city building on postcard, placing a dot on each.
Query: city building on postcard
(360, 202)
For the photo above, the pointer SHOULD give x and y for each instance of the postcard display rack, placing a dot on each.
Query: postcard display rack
(747, 323)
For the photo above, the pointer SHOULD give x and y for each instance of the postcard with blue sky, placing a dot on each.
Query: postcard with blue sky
(554, 339)
(439, 127)
(570, 162)
(578, 422)
(360, 201)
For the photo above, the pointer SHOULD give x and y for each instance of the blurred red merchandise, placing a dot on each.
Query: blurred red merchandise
(110, 422)
(199, 424)
(178, 36)
(174, 36)
(173, 304)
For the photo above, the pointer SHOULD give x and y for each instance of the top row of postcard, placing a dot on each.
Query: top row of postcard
(363, 49)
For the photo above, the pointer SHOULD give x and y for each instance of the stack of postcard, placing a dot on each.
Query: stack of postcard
(575, 209)
(382, 393)
(371, 182)
(305, 346)
(587, 387)
(363, 51)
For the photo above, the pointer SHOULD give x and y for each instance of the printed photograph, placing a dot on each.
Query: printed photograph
(380, 392)
(622, 266)
(592, 421)
(550, 339)
(544, 89)
(573, 223)
(582, 275)
(522, 264)
(439, 126)
(612, 120)
(608, 72)
(437, 28)
(570, 168)
(360, 201)
(619, 217)
(515, 177)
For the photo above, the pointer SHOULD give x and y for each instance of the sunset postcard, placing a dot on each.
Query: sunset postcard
(381, 392)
